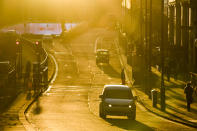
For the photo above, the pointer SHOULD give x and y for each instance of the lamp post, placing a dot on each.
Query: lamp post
(146, 49)
(162, 89)
(150, 49)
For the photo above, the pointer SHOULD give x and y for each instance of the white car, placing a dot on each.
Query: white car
(117, 100)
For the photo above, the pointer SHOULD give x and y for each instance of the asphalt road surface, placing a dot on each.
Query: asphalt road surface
(72, 102)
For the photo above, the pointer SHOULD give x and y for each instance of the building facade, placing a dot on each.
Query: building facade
(182, 32)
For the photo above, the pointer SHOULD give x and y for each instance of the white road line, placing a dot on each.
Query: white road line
(60, 53)
(55, 75)
(75, 59)
(56, 69)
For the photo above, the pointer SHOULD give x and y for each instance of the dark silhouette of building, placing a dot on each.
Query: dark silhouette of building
(183, 32)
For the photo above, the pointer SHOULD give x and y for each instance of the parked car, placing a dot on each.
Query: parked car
(117, 100)
(102, 56)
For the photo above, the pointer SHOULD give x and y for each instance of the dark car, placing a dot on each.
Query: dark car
(102, 56)
(117, 100)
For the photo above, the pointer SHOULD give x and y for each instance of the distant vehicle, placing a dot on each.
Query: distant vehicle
(117, 100)
(47, 39)
(102, 56)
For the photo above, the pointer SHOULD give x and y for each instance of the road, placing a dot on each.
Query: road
(72, 102)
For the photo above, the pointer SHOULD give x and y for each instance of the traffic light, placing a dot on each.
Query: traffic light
(17, 42)
(19, 58)
(18, 46)
(38, 45)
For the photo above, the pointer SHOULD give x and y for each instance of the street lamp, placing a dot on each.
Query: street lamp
(162, 89)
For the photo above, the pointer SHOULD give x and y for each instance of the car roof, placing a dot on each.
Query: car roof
(118, 87)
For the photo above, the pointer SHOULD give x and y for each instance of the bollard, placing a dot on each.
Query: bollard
(154, 97)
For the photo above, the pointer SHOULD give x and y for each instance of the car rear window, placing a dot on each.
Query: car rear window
(118, 94)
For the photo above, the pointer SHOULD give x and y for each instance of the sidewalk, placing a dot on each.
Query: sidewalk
(175, 98)
(10, 119)
(13, 119)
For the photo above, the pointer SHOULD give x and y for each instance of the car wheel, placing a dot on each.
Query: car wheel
(132, 116)
(102, 112)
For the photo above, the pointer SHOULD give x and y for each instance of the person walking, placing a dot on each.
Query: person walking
(29, 88)
(123, 76)
(27, 74)
(188, 90)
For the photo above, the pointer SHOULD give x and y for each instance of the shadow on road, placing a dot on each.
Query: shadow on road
(38, 109)
(129, 125)
(109, 70)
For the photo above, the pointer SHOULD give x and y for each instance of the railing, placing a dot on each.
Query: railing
(43, 65)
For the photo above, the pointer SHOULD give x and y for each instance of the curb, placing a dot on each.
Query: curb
(140, 101)
(22, 117)
(177, 121)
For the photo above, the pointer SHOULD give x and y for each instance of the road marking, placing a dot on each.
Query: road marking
(109, 78)
(48, 89)
(66, 90)
(68, 77)
(59, 53)
(56, 69)
(74, 58)
(55, 75)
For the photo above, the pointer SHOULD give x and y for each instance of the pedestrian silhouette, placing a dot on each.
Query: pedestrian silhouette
(28, 69)
(27, 74)
(123, 77)
(188, 90)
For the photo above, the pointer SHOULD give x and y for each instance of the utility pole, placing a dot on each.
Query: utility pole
(150, 37)
(125, 12)
(146, 47)
(19, 56)
(141, 23)
(162, 89)
(150, 49)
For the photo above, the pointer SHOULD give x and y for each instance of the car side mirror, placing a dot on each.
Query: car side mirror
(135, 97)
(101, 96)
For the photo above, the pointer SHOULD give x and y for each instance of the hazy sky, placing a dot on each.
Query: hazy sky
(12, 9)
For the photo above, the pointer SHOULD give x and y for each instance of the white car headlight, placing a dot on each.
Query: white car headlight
(110, 105)
(130, 106)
